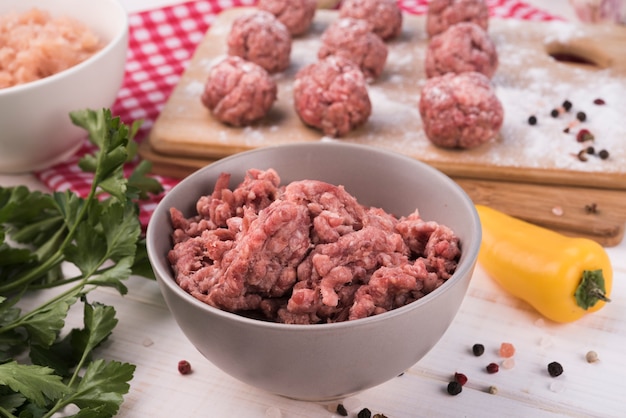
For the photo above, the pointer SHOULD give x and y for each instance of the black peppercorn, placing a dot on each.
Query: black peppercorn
(532, 120)
(591, 150)
(554, 113)
(478, 349)
(567, 105)
(555, 369)
(454, 388)
(341, 410)
(364, 413)
(581, 116)
(604, 154)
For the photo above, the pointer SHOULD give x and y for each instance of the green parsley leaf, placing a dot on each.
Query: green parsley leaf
(36, 383)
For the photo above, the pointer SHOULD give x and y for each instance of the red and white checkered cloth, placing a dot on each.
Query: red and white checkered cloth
(161, 42)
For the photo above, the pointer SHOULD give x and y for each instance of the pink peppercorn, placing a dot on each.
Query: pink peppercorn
(184, 367)
(460, 378)
(492, 368)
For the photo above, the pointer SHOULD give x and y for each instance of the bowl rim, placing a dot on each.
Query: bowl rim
(464, 268)
(112, 43)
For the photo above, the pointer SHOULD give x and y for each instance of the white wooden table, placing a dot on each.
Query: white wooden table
(148, 337)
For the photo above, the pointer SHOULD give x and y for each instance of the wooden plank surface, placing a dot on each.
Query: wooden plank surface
(565, 208)
(528, 81)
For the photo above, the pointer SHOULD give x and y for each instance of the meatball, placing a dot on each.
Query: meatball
(385, 15)
(261, 38)
(460, 110)
(238, 92)
(462, 47)
(442, 14)
(331, 95)
(296, 15)
(354, 39)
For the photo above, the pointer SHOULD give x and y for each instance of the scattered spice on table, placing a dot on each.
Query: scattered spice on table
(592, 357)
(184, 367)
(461, 378)
(492, 389)
(603, 154)
(478, 349)
(555, 369)
(454, 388)
(507, 350)
(492, 368)
(364, 413)
(567, 105)
(584, 135)
(591, 208)
(341, 410)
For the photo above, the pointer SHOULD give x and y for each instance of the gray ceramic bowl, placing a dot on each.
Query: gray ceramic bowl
(324, 361)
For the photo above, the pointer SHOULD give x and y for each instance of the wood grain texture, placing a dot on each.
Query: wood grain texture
(526, 171)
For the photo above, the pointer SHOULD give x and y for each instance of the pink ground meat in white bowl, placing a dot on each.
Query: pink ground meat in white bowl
(315, 358)
(77, 63)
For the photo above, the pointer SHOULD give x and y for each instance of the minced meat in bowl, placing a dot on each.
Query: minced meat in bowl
(305, 253)
(312, 356)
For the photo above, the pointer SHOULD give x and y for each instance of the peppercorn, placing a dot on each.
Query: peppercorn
(478, 349)
(567, 105)
(532, 120)
(591, 208)
(554, 113)
(584, 135)
(591, 150)
(184, 367)
(566, 130)
(454, 388)
(364, 413)
(555, 369)
(492, 389)
(341, 410)
(599, 101)
(379, 416)
(603, 154)
(581, 116)
(591, 357)
(461, 378)
(492, 368)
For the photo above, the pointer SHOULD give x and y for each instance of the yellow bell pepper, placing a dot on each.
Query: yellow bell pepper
(562, 277)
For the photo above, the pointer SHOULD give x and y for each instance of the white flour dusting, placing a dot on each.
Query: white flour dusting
(528, 82)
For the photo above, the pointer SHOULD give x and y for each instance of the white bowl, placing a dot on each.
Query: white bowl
(324, 361)
(35, 128)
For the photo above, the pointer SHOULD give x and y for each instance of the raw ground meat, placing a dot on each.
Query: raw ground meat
(331, 95)
(296, 15)
(354, 40)
(460, 110)
(34, 45)
(239, 92)
(261, 38)
(305, 253)
(461, 48)
(384, 15)
(442, 14)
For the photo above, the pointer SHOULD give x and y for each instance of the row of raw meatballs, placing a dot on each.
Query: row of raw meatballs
(331, 94)
(458, 104)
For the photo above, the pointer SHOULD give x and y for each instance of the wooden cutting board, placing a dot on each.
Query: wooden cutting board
(529, 171)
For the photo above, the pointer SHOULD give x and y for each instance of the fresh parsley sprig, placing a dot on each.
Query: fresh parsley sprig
(102, 237)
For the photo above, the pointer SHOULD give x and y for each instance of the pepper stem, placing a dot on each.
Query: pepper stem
(591, 289)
